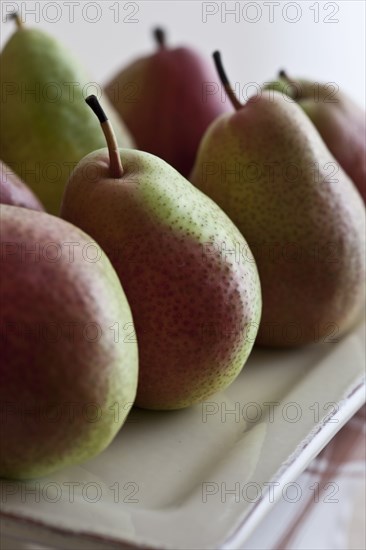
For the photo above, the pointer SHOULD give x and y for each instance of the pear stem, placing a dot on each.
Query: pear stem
(160, 37)
(115, 164)
(16, 17)
(283, 74)
(225, 81)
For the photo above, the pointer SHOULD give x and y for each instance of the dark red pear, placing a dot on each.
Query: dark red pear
(168, 99)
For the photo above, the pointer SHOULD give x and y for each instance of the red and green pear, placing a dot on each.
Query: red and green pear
(67, 381)
(267, 167)
(188, 273)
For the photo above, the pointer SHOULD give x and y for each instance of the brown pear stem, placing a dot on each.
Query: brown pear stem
(160, 37)
(16, 17)
(225, 81)
(284, 76)
(115, 164)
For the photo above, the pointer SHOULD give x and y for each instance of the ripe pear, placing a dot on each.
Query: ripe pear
(168, 99)
(339, 120)
(46, 127)
(268, 168)
(188, 273)
(67, 382)
(14, 192)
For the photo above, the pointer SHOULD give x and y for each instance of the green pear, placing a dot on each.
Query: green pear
(14, 192)
(188, 273)
(67, 382)
(269, 170)
(339, 120)
(46, 127)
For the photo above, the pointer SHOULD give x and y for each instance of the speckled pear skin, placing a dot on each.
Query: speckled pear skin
(42, 140)
(192, 305)
(14, 191)
(339, 120)
(163, 102)
(307, 232)
(66, 388)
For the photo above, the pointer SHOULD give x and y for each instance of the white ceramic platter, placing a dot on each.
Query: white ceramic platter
(198, 478)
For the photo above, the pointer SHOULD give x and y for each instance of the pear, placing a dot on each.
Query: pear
(67, 382)
(188, 273)
(338, 119)
(168, 99)
(13, 191)
(43, 89)
(268, 168)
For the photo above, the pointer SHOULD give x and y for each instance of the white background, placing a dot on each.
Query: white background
(255, 42)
